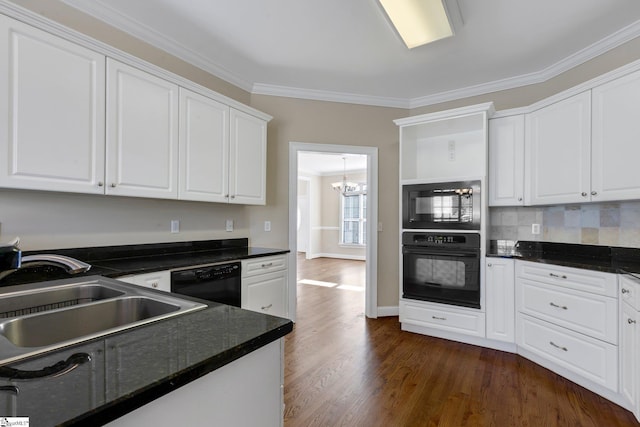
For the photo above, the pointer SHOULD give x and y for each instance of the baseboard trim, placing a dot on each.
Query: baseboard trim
(339, 256)
(388, 311)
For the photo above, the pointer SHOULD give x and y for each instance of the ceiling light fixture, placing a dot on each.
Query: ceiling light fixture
(418, 22)
(344, 186)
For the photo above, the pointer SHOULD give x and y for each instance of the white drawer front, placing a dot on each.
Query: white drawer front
(254, 266)
(590, 314)
(588, 357)
(630, 290)
(595, 282)
(470, 323)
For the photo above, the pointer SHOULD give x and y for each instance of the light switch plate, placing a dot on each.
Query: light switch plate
(229, 225)
(267, 226)
(175, 226)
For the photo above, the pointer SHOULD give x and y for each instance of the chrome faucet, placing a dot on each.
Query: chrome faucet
(15, 261)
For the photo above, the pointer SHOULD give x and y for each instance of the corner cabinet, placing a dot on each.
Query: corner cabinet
(558, 152)
(52, 107)
(223, 152)
(264, 285)
(247, 159)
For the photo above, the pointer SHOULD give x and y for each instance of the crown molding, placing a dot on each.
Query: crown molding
(99, 10)
(324, 95)
(103, 12)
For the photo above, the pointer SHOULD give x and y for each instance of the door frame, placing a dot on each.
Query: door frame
(371, 274)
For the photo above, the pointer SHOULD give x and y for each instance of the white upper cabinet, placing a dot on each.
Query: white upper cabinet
(51, 112)
(506, 161)
(247, 159)
(204, 148)
(558, 152)
(616, 140)
(142, 133)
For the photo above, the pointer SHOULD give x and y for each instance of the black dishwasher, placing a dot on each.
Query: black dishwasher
(218, 283)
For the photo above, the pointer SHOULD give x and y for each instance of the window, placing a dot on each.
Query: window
(354, 214)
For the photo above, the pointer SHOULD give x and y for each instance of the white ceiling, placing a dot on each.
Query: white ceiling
(346, 51)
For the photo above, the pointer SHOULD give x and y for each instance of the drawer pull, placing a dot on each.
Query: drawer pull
(625, 291)
(557, 346)
(631, 321)
(266, 307)
(558, 276)
(439, 318)
(564, 307)
(269, 264)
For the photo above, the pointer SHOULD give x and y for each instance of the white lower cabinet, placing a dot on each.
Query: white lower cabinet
(160, 280)
(567, 321)
(264, 285)
(500, 299)
(630, 342)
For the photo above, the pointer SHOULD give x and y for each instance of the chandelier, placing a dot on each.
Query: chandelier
(344, 186)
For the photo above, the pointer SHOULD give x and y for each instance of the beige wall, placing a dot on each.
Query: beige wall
(112, 220)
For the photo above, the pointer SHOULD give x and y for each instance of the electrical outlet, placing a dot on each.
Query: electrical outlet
(452, 150)
(229, 225)
(267, 226)
(175, 226)
(535, 228)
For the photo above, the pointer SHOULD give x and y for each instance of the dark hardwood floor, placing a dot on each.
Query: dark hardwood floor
(342, 369)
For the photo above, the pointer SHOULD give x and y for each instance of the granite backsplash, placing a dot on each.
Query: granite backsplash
(610, 224)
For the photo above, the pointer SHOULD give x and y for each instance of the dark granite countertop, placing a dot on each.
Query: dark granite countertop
(208, 339)
(205, 339)
(608, 259)
(116, 261)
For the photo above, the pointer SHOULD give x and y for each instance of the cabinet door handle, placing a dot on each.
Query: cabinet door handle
(11, 389)
(557, 346)
(269, 264)
(266, 306)
(594, 193)
(519, 199)
(489, 265)
(226, 196)
(631, 321)
(113, 185)
(558, 276)
(439, 318)
(625, 291)
(100, 184)
(564, 307)
(584, 194)
(233, 197)
(55, 370)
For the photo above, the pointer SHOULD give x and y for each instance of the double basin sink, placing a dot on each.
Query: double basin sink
(45, 316)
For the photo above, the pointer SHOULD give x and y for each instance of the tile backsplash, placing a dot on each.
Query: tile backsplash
(609, 224)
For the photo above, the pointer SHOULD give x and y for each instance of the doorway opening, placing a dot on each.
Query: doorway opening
(352, 234)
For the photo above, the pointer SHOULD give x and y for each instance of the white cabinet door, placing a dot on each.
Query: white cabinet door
(142, 133)
(51, 112)
(615, 147)
(266, 293)
(629, 355)
(247, 159)
(204, 148)
(500, 299)
(558, 152)
(506, 161)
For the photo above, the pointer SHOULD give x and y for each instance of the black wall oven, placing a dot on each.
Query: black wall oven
(442, 267)
(447, 205)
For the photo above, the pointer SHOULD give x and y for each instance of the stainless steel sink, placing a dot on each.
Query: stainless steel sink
(40, 317)
(62, 325)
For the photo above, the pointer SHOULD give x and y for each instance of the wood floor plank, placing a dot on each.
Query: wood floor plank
(342, 369)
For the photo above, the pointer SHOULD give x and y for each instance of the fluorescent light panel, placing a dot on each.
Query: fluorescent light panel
(418, 21)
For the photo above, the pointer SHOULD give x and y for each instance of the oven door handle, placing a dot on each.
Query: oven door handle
(410, 251)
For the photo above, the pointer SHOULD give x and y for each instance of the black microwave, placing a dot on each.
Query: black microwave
(444, 205)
